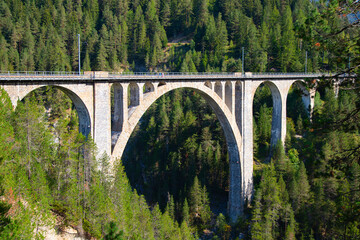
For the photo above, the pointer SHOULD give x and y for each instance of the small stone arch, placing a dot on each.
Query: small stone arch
(208, 84)
(83, 112)
(161, 84)
(238, 104)
(134, 96)
(218, 89)
(148, 87)
(118, 98)
(228, 95)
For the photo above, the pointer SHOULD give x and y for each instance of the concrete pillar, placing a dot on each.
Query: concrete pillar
(283, 118)
(141, 92)
(102, 118)
(247, 138)
(120, 106)
(236, 199)
(155, 88)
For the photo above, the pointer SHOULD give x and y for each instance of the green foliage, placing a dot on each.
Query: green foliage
(46, 166)
(184, 141)
(44, 178)
(114, 34)
(113, 233)
(312, 177)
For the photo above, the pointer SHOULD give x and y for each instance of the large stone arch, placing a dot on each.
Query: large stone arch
(307, 96)
(277, 114)
(22, 91)
(227, 121)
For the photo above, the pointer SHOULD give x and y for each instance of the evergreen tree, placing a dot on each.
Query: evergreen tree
(113, 232)
(185, 212)
(101, 59)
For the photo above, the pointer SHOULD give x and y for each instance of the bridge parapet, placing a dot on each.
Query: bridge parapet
(102, 75)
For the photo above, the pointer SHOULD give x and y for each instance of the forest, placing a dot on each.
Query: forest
(176, 186)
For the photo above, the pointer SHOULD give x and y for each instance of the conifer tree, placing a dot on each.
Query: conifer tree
(302, 180)
(279, 158)
(185, 212)
(287, 57)
(256, 228)
(101, 59)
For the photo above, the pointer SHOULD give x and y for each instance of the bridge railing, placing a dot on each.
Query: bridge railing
(212, 74)
(38, 73)
(129, 75)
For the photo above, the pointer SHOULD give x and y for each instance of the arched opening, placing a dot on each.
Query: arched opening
(117, 115)
(57, 99)
(161, 84)
(238, 105)
(228, 95)
(267, 120)
(172, 145)
(299, 104)
(134, 95)
(148, 87)
(218, 89)
(208, 84)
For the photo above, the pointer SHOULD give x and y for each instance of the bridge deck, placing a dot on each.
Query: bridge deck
(166, 76)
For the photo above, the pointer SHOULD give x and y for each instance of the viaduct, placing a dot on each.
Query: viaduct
(229, 94)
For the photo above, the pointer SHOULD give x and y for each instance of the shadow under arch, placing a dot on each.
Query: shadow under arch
(83, 113)
(231, 132)
(276, 113)
(305, 95)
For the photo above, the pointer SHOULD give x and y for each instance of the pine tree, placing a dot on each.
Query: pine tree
(86, 64)
(112, 232)
(195, 200)
(101, 59)
(256, 227)
(287, 56)
(302, 180)
(170, 207)
(201, 11)
(205, 207)
(279, 158)
(185, 212)
(186, 233)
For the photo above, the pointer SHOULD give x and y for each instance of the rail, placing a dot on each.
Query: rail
(63, 75)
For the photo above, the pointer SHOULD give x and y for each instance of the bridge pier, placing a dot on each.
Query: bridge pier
(102, 118)
(246, 121)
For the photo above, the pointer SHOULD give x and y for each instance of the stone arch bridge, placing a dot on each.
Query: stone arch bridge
(229, 94)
